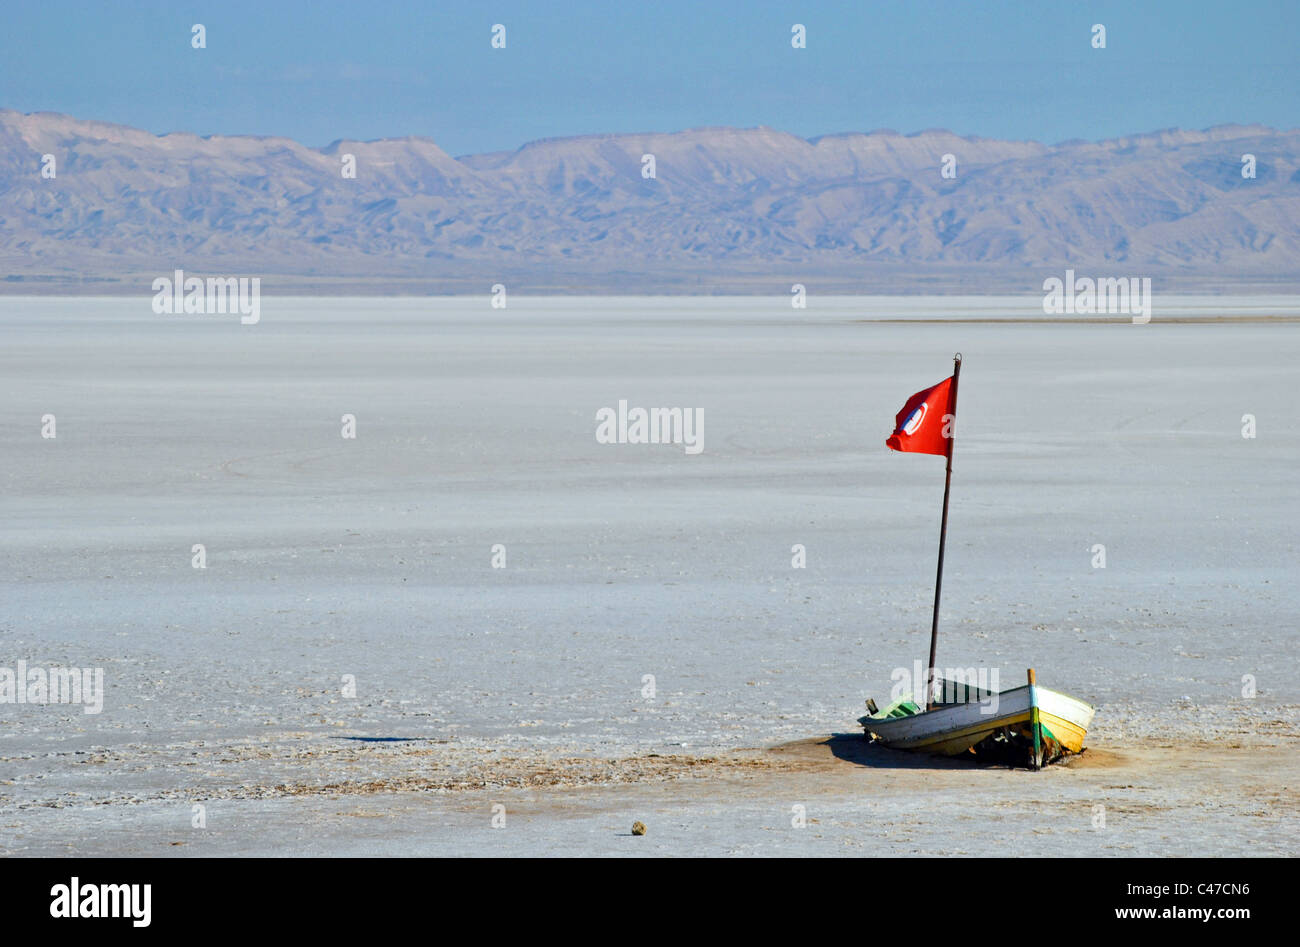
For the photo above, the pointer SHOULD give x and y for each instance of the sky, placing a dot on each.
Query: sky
(320, 71)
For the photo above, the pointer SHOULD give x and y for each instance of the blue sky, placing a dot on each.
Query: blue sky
(321, 71)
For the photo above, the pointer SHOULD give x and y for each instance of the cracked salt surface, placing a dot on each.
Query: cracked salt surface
(371, 558)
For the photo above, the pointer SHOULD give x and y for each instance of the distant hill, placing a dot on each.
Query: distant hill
(730, 210)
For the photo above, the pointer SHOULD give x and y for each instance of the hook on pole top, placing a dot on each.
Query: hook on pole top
(957, 357)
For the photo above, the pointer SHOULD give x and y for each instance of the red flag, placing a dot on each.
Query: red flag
(924, 426)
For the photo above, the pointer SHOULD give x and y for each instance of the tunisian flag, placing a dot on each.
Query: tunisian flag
(920, 427)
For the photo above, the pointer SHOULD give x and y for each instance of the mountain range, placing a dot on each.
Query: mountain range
(727, 210)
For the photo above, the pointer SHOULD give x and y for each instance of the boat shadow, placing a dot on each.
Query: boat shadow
(857, 749)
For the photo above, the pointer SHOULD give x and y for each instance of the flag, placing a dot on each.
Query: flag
(924, 426)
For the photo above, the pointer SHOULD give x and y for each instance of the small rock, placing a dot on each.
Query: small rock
(638, 828)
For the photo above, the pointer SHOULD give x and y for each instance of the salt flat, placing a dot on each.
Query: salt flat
(525, 685)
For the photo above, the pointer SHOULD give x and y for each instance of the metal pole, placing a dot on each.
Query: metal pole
(943, 535)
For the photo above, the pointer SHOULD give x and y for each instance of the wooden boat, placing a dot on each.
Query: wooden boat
(1025, 723)
(996, 726)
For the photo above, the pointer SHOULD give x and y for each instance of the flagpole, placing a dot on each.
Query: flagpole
(943, 535)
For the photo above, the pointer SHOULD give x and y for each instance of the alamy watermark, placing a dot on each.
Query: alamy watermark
(683, 426)
(216, 295)
(38, 685)
(1129, 295)
(951, 685)
(76, 899)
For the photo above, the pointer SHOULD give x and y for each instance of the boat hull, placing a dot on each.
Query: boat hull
(955, 728)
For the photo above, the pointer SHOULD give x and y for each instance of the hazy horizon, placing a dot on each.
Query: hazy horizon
(727, 210)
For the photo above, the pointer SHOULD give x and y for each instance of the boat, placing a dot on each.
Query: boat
(997, 726)
(1029, 724)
